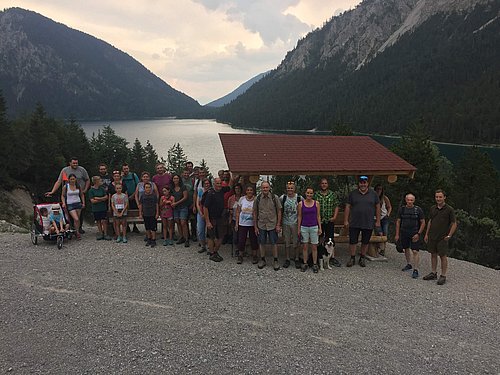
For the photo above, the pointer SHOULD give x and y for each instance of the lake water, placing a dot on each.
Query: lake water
(199, 139)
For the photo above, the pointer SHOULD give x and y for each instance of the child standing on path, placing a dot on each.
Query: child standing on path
(167, 215)
(148, 210)
(119, 205)
(98, 198)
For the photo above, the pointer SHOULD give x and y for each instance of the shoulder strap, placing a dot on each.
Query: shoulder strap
(283, 203)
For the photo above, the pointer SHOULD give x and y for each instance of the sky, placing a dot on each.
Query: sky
(204, 48)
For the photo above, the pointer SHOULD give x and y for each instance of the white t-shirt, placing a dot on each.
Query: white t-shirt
(246, 212)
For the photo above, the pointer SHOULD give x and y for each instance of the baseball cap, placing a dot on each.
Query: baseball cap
(363, 178)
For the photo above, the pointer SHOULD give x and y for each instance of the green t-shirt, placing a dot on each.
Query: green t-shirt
(97, 193)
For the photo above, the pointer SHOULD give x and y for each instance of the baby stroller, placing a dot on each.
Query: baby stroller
(40, 228)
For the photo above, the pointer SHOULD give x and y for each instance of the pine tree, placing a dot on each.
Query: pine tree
(137, 160)
(109, 148)
(176, 159)
(151, 157)
(203, 164)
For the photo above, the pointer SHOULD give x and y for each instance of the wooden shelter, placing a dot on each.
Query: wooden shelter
(279, 154)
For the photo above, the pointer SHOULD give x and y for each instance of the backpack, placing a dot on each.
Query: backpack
(299, 199)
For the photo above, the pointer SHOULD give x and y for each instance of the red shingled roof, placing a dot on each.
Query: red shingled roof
(274, 154)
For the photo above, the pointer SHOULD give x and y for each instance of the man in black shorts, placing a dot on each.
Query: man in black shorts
(213, 208)
(410, 225)
(362, 205)
(442, 225)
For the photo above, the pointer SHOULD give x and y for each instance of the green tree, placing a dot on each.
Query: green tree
(343, 129)
(476, 183)
(6, 145)
(108, 147)
(176, 159)
(137, 157)
(151, 158)
(433, 170)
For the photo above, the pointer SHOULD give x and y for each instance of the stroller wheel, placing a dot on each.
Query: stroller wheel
(60, 241)
(34, 238)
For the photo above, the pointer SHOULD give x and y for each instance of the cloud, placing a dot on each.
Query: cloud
(266, 18)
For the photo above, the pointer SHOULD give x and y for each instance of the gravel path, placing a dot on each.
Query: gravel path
(100, 307)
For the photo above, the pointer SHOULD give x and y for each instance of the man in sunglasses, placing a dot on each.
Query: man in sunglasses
(362, 205)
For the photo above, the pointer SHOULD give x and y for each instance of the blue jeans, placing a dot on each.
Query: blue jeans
(201, 227)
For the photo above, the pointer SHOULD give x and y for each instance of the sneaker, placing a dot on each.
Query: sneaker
(170, 242)
(186, 244)
(81, 231)
(351, 262)
(146, 239)
(255, 260)
(441, 280)
(107, 238)
(406, 268)
(78, 236)
(153, 243)
(262, 264)
(240, 260)
(124, 240)
(335, 262)
(315, 268)
(99, 237)
(165, 242)
(118, 239)
(286, 264)
(362, 262)
(297, 263)
(148, 242)
(135, 229)
(276, 265)
(415, 274)
(181, 240)
(202, 250)
(303, 267)
(431, 276)
(216, 257)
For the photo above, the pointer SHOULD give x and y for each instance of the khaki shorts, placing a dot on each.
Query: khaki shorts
(440, 247)
(291, 234)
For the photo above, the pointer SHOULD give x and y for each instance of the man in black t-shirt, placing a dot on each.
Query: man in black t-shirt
(410, 225)
(213, 207)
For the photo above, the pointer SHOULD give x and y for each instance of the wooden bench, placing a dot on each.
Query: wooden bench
(342, 236)
(132, 217)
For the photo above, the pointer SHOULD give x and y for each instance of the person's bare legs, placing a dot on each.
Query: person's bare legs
(444, 264)
(434, 262)
(416, 259)
(314, 250)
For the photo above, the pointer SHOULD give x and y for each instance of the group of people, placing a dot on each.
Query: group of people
(225, 209)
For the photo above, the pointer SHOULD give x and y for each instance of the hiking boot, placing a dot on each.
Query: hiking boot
(124, 240)
(362, 262)
(262, 264)
(181, 240)
(441, 280)
(297, 263)
(335, 262)
(186, 244)
(153, 243)
(351, 262)
(118, 239)
(286, 264)
(406, 268)
(216, 257)
(276, 265)
(107, 238)
(240, 260)
(202, 250)
(255, 260)
(415, 274)
(303, 267)
(431, 276)
(148, 242)
(315, 268)
(99, 236)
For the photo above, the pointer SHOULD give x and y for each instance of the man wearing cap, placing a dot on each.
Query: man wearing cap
(362, 205)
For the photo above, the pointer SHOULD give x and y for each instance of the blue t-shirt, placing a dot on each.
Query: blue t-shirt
(56, 218)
